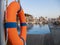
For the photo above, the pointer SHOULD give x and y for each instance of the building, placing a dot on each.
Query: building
(58, 19)
(43, 20)
(29, 18)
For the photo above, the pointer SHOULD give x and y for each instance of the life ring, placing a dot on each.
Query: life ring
(11, 24)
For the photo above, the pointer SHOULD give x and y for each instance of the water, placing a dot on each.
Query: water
(38, 29)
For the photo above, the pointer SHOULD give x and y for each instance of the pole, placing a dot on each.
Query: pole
(2, 37)
(6, 3)
(19, 1)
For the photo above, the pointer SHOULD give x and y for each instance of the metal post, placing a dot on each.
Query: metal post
(19, 1)
(6, 3)
(2, 37)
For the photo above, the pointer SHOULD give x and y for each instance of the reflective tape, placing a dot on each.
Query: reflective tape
(10, 25)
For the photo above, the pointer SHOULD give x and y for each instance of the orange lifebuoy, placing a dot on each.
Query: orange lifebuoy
(11, 24)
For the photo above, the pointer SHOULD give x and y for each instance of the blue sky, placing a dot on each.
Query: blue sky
(37, 8)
